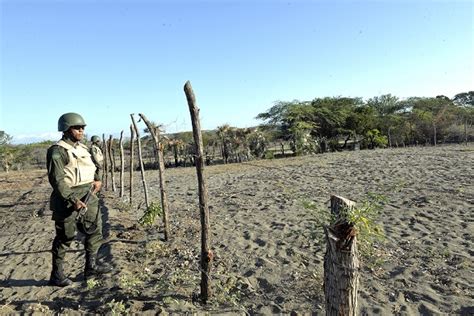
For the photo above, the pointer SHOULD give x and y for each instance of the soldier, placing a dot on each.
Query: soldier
(74, 176)
(96, 151)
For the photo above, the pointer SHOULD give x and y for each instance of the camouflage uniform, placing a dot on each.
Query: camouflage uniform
(96, 152)
(69, 186)
(62, 203)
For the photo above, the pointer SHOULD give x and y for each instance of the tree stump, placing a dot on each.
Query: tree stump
(341, 263)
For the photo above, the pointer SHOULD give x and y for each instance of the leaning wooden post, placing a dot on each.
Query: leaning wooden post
(106, 165)
(140, 160)
(206, 254)
(132, 149)
(122, 163)
(112, 162)
(341, 263)
(155, 134)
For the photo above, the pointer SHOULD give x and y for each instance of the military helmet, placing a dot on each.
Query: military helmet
(70, 119)
(95, 139)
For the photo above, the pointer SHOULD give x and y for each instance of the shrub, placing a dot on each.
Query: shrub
(150, 214)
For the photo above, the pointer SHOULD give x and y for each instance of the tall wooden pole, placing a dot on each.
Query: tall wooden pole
(140, 160)
(106, 165)
(132, 150)
(122, 163)
(206, 254)
(112, 162)
(155, 134)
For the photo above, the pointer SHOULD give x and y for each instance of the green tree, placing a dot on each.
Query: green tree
(6, 151)
(332, 115)
(375, 139)
(465, 111)
(431, 118)
(388, 110)
(4, 138)
(465, 99)
(257, 143)
(224, 132)
(284, 119)
(300, 126)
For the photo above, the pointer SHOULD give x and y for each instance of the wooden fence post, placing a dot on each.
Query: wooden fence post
(122, 163)
(155, 134)
(140, 160)
(206, 254)
(132, 149)
(341, 263)
(112, 162)
(106, 165)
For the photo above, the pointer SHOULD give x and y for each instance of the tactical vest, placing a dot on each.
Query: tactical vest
(80, 169)
(97, 154)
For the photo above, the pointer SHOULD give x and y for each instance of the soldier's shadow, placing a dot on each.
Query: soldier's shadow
(105, 252)
(23, 283)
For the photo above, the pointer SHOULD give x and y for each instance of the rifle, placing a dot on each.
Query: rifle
(82, 211)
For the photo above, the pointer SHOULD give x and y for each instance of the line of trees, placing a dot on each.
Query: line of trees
(300, 127)
(330, 123)
(21, 156)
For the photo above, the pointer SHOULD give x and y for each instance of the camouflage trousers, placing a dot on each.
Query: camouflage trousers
(66, 230)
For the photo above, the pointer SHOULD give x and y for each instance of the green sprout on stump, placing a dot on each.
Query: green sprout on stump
(150, 214)
(364, 219)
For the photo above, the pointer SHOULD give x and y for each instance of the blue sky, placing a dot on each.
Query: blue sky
(107, 59)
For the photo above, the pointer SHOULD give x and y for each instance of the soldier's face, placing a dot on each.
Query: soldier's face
(77, 132)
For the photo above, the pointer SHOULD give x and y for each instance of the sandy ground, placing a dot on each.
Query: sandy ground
(268, 244)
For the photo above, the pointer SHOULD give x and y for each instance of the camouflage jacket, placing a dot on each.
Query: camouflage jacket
(63, 196)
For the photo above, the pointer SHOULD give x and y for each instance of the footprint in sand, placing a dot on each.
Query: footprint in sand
(260, 242)
(278, 226)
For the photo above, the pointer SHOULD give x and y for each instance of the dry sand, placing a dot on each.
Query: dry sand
(269, 248)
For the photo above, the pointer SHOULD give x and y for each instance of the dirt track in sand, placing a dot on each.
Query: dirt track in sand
(269, 248)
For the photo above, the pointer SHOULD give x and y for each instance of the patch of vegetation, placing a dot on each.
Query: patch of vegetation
(170, 301)
(22, 157)
(150, 214)
(155, 248)
(123, 206)
(269, 154)
(231, 290)
(363, 217)
(116, 308)
(375, 139)
(181, 276)
(130, 284)
(92, 283)
(369, 233)
(319, 218)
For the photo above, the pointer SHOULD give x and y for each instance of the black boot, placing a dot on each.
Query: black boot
(93, 269)
(57, 276)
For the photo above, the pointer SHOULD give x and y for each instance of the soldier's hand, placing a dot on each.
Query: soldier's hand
(97, 186)
(79, 205)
